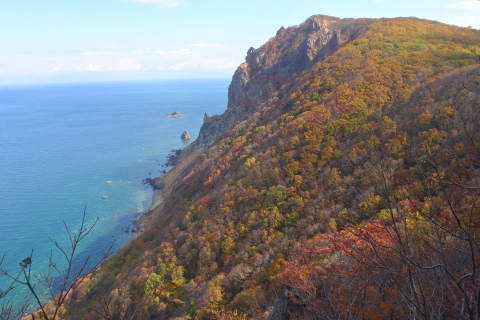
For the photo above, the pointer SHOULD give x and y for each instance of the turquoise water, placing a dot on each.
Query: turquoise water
(59, 144)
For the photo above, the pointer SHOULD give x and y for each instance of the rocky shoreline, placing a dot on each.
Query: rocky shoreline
(138, 226)
(158, 184)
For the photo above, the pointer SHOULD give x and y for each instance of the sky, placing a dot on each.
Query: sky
(63, 41)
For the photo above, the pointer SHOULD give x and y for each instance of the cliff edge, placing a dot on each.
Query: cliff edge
(274, 67)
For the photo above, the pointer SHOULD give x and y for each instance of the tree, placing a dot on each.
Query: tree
(7, 311)
(61, 283)
(410, 247)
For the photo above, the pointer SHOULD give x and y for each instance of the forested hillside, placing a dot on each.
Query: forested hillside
(347, 188)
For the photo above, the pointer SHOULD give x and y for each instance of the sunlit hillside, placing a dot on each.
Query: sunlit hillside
(348, 190)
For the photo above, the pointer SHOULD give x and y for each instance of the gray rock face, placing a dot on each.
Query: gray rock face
(281, 306)
(273, 66)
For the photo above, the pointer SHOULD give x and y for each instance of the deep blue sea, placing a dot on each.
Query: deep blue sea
(59, 144)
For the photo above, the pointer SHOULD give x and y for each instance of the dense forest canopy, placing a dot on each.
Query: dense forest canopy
(351, 192)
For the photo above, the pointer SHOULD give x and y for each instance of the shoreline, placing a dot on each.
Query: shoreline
(176, 160)
(138, 226)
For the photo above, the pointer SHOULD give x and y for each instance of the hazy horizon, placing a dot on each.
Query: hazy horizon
(130, 40)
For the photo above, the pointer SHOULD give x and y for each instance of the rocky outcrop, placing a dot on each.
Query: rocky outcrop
(185, 135)
(272, 67)
(281, 306)
(175, 114)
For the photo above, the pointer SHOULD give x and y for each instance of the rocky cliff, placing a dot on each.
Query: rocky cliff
(273, 67)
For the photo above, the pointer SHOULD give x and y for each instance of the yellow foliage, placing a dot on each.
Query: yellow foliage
(251, 162)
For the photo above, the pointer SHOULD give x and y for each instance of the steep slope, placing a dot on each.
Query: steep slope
(342, 182)
(272, 67)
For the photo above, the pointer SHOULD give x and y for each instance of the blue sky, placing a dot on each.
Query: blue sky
(44, 41)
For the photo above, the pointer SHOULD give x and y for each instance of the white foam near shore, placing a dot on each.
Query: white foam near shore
(139, 225)
(156, 200)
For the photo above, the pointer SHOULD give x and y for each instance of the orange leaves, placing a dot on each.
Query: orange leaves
(332, 271)
(206, 201)
(369, 245)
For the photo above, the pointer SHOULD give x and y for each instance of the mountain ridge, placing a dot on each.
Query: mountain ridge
(262, 74)
(345, 166)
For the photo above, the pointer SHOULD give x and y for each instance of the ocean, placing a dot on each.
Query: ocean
(69, 147)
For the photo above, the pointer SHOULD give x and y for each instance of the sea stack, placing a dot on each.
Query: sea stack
(185, 135)
(175, 114)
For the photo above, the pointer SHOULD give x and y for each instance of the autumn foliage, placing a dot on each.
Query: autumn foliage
(352, 194)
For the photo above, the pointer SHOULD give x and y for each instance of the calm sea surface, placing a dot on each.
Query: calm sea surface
(59, 144)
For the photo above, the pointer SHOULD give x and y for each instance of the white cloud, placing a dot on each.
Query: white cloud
(204, 63)
(229, 65)
(127, 65)
(127, 60)
(173, 52)
(143, 51)
(208, 45)
(120, 66)
(59, 69)
(98, 53)
(465, 5)
(160, 3)
(463, 13)
(93, 68)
